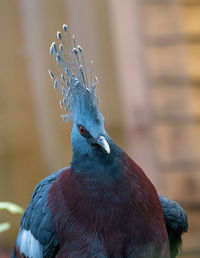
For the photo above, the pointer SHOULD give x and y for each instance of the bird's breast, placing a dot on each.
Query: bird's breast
(109, 218)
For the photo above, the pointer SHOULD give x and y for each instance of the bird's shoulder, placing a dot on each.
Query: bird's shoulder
(176, 223)
(175, 216)
(37, 226)
(38, 204)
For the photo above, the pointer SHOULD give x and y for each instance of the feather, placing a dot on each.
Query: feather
(176, 223)
(80, 94)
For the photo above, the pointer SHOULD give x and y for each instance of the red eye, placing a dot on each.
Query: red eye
(105, 125)
(81, 130)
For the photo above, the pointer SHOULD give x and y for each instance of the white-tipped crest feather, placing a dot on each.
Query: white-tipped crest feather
(71, 80)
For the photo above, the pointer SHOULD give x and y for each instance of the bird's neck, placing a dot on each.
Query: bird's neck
(96, 162)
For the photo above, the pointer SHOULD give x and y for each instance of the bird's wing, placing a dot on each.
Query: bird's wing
(176, 223)
(36, 237)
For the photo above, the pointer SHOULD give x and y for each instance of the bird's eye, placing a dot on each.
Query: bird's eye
(81, 130)
(105, 125)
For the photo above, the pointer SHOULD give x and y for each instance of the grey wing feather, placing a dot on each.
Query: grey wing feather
(176, 223)
(36, 237)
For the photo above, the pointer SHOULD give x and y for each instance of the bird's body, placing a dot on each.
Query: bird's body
(87, 215)
(103, 205)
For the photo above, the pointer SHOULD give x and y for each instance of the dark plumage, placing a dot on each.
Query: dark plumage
(102, 205)
(176, 222)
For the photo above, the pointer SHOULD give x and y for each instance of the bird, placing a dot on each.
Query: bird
(103, 204)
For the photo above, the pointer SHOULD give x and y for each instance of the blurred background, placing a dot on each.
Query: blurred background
(147, 58)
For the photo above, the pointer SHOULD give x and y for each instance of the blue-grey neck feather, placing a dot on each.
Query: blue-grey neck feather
(71, 80)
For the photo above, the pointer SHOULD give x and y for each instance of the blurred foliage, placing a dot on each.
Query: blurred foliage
(12, 208)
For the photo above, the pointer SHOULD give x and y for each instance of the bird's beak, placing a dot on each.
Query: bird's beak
(103, 143)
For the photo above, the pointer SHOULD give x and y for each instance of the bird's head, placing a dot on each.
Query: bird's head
(79, 98)
(88, 132)
(89, 135)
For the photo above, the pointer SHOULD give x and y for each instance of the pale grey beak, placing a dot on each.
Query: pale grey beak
(103, 143)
